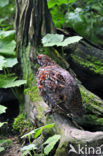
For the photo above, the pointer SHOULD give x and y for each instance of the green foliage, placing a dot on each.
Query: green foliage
(58, 40)
(50, 142)
(29, 147)
(26, 149)
(52, 3)
(58, 9)
(7, 81)
(7, 62)
(71, 40)
(58, 16)
(2, 149)
(21, 123)
(2, 123)
(8, 59)
(7, 47)
(3, 110)
(10, 62)
(7, 34)
(2, 142)
(2, 62)
(27, 152)
(7, 43)
(38, 131)
(6, 14)
(4, 3)
(52, 39)
(85, 17)
(7, 51)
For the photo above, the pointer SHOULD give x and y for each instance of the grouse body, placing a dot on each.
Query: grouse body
(58, 88)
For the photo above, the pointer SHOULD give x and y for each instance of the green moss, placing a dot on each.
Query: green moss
(94, 110)
(26, 65)
(90, 62)
(21, 108)
(40, 112)
(92, 120)
(21, 123)
(33, 93)
(35, 97)
(91, 102)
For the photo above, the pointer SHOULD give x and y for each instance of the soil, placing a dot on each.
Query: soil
(9, 100)
(13, 149)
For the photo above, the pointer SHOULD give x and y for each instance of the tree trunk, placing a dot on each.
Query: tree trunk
(32, 21)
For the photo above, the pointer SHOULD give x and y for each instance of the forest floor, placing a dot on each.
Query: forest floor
(13, 149)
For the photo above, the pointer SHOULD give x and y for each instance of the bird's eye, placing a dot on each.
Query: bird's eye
(39, 57)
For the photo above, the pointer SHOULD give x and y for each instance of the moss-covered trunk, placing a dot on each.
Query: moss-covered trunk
(32, 21)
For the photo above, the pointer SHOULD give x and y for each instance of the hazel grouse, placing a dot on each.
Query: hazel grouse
(58, 88)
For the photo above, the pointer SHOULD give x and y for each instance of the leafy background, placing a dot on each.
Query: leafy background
(84, 16)
(7, 46)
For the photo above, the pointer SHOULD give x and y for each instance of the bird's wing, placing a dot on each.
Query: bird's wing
(53, 84)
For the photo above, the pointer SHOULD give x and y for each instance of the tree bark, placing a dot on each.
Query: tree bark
(31, 22)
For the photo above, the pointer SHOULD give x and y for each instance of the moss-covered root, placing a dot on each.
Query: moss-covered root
(94, 110)
(90, 63)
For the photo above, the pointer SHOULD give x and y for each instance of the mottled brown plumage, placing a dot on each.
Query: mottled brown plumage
(58, 88)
